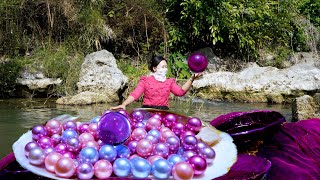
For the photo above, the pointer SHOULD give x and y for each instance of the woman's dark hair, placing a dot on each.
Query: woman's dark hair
(155, 61)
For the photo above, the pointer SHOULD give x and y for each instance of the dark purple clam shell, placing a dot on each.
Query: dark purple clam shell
(252, 126)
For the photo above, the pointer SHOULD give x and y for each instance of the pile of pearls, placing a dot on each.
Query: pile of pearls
(158, 145)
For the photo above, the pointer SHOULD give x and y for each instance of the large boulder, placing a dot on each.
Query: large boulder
(305, 107)
(259, 84)
(100, 80)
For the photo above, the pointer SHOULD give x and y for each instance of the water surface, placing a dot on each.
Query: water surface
(17, 116)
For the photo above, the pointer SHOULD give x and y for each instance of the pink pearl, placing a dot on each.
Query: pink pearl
(164, 135)
(65, 167)
(85, 137)
(45, 142)
(153, 158)
(144, 147)
(134, 156)
(91, 143)
(138, 134)
(194, 124)
(51, 160)
(83, 128)
(153, 123)
(182, 171)
(53, 127)
(69, 155)
(102, 169)
(163, 129)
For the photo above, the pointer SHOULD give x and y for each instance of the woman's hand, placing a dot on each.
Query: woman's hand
(195, 76)
(118, 107)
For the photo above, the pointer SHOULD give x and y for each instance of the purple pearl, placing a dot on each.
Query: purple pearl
(49, 150)
(83, 128)
(29, 146)
(124, 112)
(153, 139)
(186, 133)
(189, 142)
(45, 142)
(178, 128)
(170, 120)
(70, 125)
(157, 116)
(140, 125)
(133, 146)
(73, 145)
(187, 154)
(208, 153)
(137, 116)
(85, 171)
(56, 139)
(173, 143)
(200, 145)
(100, 143)
(194, 124)
(198, 163)
(161, 149)
(38, 131)
(61, 148)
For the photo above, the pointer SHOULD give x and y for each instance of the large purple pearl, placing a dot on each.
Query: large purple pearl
(197, 62)
(38, 131)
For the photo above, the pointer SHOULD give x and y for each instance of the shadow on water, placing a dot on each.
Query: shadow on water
(19, 115)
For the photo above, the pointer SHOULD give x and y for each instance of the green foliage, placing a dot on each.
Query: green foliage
(177, 66)
(311, 9)
(9, 71)
(242, 26)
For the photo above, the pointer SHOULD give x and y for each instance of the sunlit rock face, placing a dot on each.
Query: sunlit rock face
(100, 80)
(260, 84)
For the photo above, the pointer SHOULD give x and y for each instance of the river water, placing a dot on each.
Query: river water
(17, 116)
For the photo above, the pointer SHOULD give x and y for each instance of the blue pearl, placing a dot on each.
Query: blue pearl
(140, 167)
(95, 119)
(121, 167)
(108, 152)
(89, 154)
(161, 169)
(175, 158)
(123, 151)
(154, 133)
(67, 134)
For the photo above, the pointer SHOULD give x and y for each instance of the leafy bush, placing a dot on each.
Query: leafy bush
(9, 71)
(177, 66)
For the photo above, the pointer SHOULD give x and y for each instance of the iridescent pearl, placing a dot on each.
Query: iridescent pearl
(56, 139)
(140, 167)
(194, 124)
(144, 147)
(65, 167)
(123, 151)
(154, 133)
(175, 158)
(173, 143)
(38, 131)
(85, 171)
(153, 139)
(29, 146)
(89, 154)
(51, 161)
(161, 169)
(61, 148)
(70, 125)
(186, 133)
(153, 158)
(198, 163)
(91, 143)
(153, 123)
(137, 116)
(108, 152)
(45, 142)
(208, 153)
(122, 167)
(189, 142)
(182, 171)
(161, 149)
(178, 128)
(138, 134)
(36, 156)
(165, 135)
(102, 169)
(95, 119)
(85, 137)
(83, 128)
(187, 154)
(53, 127)
(73, 145)
(132, 145)
(67, 134)
(169, 120)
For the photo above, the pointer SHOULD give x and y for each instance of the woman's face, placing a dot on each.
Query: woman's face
(162, 64)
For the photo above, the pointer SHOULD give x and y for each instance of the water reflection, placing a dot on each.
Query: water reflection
(19, 115)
